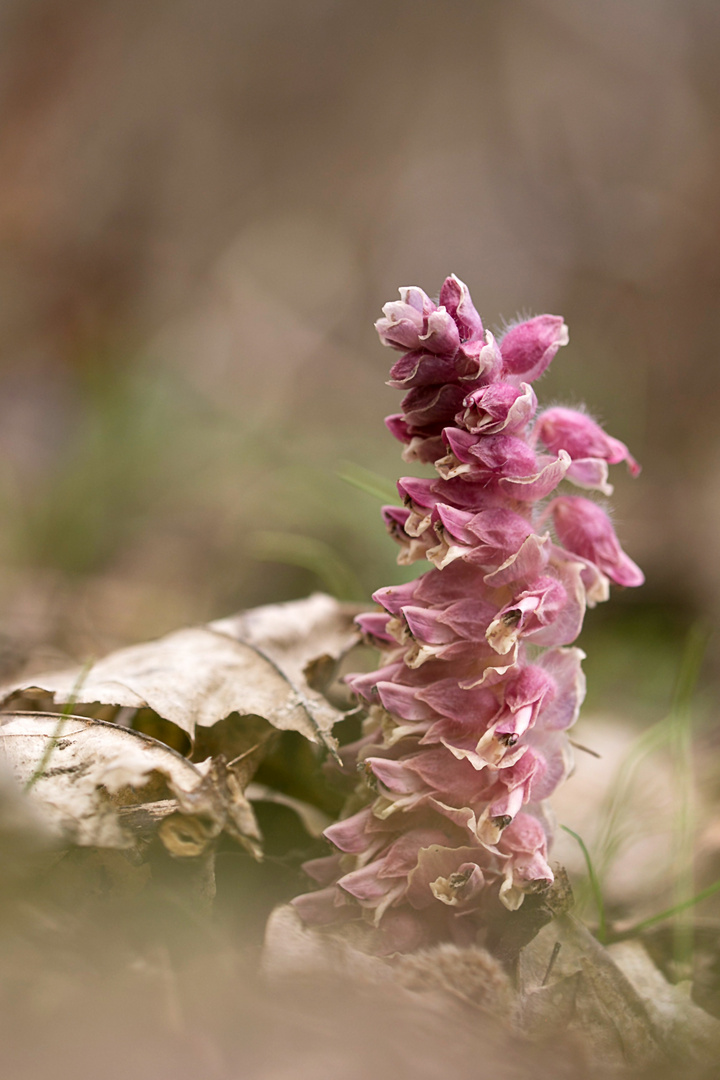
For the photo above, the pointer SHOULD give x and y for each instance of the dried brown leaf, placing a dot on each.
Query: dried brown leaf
(88, 778)
(566, 970)
(251, 665)
(680, 1022)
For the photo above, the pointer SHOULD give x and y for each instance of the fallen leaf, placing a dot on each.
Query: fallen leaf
(675, 1015)
(251, 666)
(293, 949)
(566, 970)
(307, 639)
(97, 784)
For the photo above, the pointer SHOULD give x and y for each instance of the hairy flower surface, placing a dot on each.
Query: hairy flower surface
(465, 735)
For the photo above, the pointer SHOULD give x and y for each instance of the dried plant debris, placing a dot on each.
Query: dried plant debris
(264, 663)
(293, 950)
(615, 998)
(613, 1005)
(100, 785)
(675, 1017)
(306, 638)
(219, 694)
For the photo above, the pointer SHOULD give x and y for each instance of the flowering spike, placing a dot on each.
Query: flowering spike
(466, 725)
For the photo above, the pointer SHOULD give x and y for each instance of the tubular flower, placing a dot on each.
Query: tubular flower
(466, 718)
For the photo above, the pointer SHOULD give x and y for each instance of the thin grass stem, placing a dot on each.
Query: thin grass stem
(53, 740)
(311, 554)
(684, 822)
(370, 482)
(668, 913)
(594, 885)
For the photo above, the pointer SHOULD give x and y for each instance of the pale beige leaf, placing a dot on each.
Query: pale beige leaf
(547, 1010)
(252, 664)
(467, 974)
(680, 1021)
(565, 965)
(298, 632)
(81, 773)
(305, 638)
(293, 949)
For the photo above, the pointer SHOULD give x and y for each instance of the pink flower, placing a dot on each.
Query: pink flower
(590, 449)
(568, 429)
(455, 296)
(498, 407)
(584, 528)
(528, 348)
(465, 726)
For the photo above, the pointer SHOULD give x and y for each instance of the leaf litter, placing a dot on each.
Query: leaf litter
(229, 688)
(265, 663)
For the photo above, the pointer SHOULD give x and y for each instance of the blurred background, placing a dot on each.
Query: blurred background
(203, 208)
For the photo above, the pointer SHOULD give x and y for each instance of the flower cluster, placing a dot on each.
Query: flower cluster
(467, 716)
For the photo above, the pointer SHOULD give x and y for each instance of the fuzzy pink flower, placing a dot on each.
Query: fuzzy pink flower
(585, 529)
(464, 736)
(591, 450)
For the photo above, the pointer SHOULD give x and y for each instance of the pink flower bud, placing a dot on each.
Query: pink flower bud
(584, 528)
(421, 368)
(497, 407)
(567, 429)
(532, 609)
(537, 486)
(374, 628)
(405, 319)
(491, 455)
(428, 409)
(401, 327)
(529, 347)
(455, 297)
(351, 835)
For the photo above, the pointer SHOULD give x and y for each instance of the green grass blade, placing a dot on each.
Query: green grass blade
(53, 740)
(665, 733)
(696, 646)
(369, 482)
(310, 554)
(611, 834)
(680, 722)
(670, 912)
(594, 885)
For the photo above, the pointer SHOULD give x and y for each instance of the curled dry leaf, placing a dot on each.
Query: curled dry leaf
(617, 1000)
(225, 689)
(262, 664)
(613, 1005)
(97, 784)
(307, 639)
(675, 1016)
